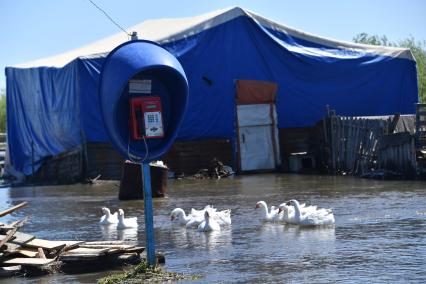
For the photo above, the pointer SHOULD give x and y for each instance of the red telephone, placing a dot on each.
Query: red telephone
(146, 119)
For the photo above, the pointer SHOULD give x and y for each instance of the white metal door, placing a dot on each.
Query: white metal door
(256, 148)
(256, 131)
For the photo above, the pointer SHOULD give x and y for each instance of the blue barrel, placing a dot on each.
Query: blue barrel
(144, 60)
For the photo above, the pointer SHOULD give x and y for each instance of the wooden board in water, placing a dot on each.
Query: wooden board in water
(120, 247)
(105, 243)
(28, 252)
(2, 237)
(135, 250)
(10, 248)
(22, 238)
(53, 245)
(9, 270)
(84, 252)
(12, 209)
(27, 261)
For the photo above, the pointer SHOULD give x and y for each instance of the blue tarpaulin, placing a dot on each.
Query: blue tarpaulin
(54, 109)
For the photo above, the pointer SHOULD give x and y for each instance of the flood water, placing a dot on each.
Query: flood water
(379, 235)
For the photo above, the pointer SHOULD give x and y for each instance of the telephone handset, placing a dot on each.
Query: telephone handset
(146, 117)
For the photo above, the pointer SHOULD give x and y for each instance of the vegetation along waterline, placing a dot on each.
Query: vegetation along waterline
(2, 111)
(142, 273)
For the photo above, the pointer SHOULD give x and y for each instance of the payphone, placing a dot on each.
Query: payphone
(146, 119)
(143, 95)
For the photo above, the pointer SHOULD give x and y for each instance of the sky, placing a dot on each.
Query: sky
(34, 29)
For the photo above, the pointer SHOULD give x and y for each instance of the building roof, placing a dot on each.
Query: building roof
(168, 30)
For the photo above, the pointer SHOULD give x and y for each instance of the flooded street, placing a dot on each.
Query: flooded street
(379, 236)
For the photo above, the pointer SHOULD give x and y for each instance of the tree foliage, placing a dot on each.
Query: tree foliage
(418, 48)
(2, 111)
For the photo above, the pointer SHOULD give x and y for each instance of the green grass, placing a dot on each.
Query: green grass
(2, 111)
(141, 273)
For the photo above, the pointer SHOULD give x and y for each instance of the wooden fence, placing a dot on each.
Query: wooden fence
(397, 154)
(368, 146)
(353, 143)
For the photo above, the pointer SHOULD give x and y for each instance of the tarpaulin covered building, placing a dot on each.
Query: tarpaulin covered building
(53, 104)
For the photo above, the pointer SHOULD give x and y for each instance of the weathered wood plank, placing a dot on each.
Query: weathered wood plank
(83, 254)
(339, 143)
(12, 209)
(104, 243)
(120, 247)
(86, 251)
(29, 252)
(5, 227)
(355, 144)
(79, 257)
(10, 248)
(22, 238)
(41, 253)
(8, 236)
(27, 261)
(9, 271)
(53, 245)
(332, 142)
(349, 129)
(2, 237)
(135, 250)
(345, 144)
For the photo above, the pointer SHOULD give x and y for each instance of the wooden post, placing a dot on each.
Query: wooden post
(332, 140)
(149, 220)
(12, 209)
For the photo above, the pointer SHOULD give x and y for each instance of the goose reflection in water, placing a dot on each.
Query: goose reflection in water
(110, 233)
(179, 236)
(301, 241)
(215, 240)
(130, 235)
(310, 233)
(192, 239)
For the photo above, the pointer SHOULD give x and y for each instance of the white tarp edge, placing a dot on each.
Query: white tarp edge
(166, 30)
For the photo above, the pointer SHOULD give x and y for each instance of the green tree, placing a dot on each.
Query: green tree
(418, 49)
(2, 111)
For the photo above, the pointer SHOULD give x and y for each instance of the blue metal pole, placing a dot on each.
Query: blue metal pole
(149, 219)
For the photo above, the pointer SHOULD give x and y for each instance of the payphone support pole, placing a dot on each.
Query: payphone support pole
(149, 223)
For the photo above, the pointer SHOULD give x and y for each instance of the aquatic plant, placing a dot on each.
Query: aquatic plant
(143, 273)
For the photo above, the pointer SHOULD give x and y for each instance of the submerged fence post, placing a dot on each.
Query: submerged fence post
(149, 222)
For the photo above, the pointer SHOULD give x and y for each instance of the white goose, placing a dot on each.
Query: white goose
(178, 216)
(271, 216)
(223, 217)
(195, 220)
(124, 223)
(288, 212)
(209, 224)
(318, 217)
(196, 212)
(108, 218)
